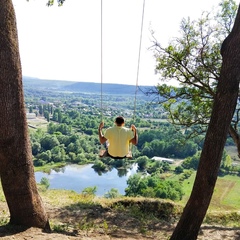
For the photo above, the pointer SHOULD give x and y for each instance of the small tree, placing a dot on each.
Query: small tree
(113, 193)
(193, 60)
(45, 182)
(142, 162)
(89, 191)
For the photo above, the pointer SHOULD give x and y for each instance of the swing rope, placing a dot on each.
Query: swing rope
(101, 61)
(138, 64)
(138, 67)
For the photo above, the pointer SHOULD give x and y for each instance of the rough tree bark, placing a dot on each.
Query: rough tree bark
(16, 166)
(222, 113)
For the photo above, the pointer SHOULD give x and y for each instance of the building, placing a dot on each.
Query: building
(168, 160)
(31, 115)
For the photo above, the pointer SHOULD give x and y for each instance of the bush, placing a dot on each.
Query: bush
(45, 182)
(113, 193)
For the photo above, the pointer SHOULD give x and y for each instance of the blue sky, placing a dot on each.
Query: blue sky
(64, 43)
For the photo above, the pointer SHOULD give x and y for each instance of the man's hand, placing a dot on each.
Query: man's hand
(135, 139)
(133, 128)
(102, 139)
(101, 125)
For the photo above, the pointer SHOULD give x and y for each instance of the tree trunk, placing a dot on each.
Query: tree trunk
(16, 166)
(222, 113)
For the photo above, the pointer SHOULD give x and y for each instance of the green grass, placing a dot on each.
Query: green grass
(48, 167)
(226, 193)
(222, 210)
(37, 125)
(187, 188)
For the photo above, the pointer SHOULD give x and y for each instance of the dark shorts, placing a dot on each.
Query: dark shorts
(114, 157)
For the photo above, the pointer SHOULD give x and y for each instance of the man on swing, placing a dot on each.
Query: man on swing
(118, 138)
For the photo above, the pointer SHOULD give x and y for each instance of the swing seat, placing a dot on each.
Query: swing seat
(104, 153)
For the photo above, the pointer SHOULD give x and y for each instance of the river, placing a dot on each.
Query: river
(78, 177)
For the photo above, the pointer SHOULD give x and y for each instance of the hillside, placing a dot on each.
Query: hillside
(83, 87)
(74, 216)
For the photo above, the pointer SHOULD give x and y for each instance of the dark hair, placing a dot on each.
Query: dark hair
(119, 120)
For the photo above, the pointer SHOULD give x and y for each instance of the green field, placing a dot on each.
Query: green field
(226, 195)
(38, 122)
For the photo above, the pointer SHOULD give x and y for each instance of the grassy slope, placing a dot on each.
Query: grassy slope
(225, 196)
(70, 210)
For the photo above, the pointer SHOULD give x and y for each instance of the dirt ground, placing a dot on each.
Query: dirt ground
(105, 224)
(163, 233)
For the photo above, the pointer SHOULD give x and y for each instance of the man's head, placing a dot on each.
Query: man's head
(119, 121)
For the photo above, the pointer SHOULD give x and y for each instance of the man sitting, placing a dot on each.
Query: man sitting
(118, 138)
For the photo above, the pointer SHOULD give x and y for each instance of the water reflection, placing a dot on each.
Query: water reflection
(75, 177)
(122, 172)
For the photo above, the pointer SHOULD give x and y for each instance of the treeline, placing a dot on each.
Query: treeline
(226, 167)
(153, 187)
(65, 143)
(166, 141)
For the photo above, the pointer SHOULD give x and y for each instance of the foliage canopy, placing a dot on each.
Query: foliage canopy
(193, 61)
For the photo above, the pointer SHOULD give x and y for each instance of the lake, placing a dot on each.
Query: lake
(78, 177)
